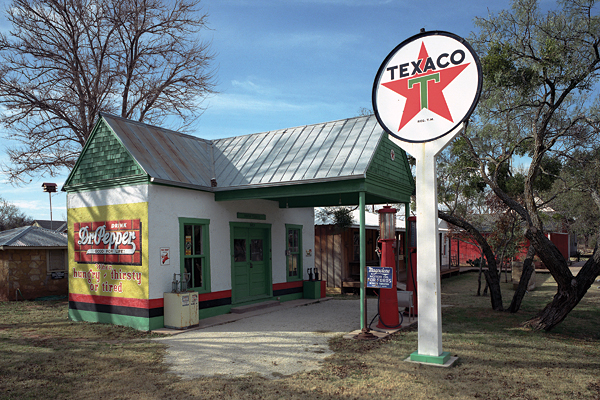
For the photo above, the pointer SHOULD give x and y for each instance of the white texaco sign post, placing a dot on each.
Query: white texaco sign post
(423, 93)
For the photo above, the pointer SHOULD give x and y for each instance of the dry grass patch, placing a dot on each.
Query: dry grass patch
(42, 355)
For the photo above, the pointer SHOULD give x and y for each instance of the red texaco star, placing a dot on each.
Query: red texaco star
(425, 90)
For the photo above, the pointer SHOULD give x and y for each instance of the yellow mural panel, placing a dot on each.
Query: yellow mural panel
(108, 250)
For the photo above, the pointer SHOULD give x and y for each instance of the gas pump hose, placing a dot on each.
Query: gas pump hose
(381, 320)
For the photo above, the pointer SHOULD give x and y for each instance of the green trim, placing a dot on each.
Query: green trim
(103, 159)
(377, 191)
(261, 217)
(179, 185)
(300, 275)
(268, 260)
(282, 191)
(289, 297)
(214, 311)
(311, 289)
(139, 323)
(205, 256)
(438, 360)
(109, 183)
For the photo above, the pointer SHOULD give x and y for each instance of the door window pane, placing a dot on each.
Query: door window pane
(239, 250)
(256, 250)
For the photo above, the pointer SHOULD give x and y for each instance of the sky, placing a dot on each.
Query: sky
(286, 63)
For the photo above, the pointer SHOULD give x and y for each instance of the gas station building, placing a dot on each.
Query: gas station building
(237, 214)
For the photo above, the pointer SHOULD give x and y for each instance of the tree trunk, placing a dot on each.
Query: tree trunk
(568, 295)
(480, 272)
(528, 268)
(491, 275)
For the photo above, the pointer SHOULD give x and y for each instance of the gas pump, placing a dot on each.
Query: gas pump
(388, 299)
(411, 269)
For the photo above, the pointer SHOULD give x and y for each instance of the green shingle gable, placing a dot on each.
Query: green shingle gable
(390, 176)
(104, 159)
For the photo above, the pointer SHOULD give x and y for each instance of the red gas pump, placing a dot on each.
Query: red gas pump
(388, 299)
(411, 258)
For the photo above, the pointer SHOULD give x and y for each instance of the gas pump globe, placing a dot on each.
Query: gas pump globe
(387, 223)
(388, 298)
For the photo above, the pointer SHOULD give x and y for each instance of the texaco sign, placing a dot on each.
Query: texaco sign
(427, 86)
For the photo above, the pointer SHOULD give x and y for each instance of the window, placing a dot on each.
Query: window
(195, 259)
(294, 252)
(356, 246)
(56, 260)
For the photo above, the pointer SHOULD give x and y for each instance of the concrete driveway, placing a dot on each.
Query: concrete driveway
(280, 341)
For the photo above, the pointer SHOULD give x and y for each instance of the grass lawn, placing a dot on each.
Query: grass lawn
(44, 356)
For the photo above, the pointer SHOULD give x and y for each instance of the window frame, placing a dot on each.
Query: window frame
(300, 276)
(65, 261)
(205, 256)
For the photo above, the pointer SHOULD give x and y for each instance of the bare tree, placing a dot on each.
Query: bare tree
(11, 217)
(64, 61)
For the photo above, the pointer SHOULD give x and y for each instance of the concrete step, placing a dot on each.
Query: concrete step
(254, 307)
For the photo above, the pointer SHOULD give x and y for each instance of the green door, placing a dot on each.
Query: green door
(251, 271)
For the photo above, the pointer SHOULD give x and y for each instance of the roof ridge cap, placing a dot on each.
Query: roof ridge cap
(103, 115)
(19, 235)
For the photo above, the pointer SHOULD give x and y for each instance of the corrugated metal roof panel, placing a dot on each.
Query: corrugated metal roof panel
(354, 160)
(302, 145)
(279, 154)
(32, 236)
(315, 154)
(326, 151)
(278, 140)
(340, 134)
(287, 154)
(366, 150)
(165, 154)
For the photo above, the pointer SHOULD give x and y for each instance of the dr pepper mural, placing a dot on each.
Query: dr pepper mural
(108, 264)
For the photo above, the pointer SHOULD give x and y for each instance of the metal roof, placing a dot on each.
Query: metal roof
(32, 236)
(165, 154)
(323, 152)
(328, 151)
(59, 226)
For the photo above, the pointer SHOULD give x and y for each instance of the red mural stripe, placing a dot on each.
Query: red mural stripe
(116, 301)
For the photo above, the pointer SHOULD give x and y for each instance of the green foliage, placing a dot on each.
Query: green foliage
(513, 182)
(341, 217)
(476, 262)
(500, 70)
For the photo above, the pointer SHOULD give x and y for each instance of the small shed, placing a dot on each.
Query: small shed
(33, 263)
(146, 204)
(337, 252)
(58, 226)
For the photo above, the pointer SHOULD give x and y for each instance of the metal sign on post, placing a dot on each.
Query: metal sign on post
(380, 277)
(424, 91)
